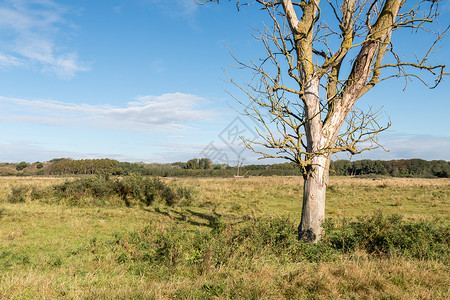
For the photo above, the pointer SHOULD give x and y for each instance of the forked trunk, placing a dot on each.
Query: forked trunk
(313, 211)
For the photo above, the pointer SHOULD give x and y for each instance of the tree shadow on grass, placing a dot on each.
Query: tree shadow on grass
(188, 216)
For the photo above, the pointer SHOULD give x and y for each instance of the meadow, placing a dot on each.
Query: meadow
(227, 238)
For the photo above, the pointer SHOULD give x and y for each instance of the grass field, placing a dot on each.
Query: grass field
(234, 238)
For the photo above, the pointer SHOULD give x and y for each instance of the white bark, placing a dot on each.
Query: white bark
(313, 210)
(294, 23)
(316, 179)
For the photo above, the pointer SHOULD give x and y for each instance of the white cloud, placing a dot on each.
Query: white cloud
(7, 60)
(32, 152)
(429, 147)
(31, 35)
(147, 114)
(406, 146)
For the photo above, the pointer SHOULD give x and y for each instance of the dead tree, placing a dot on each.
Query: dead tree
(317, 66)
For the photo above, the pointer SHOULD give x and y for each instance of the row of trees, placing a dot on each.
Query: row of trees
(84, 166)
(62, 166)
(202, 164)
(396, 168)
(205, 168)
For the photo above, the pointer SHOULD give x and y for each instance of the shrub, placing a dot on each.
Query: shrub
(390, 236)
(98, 190)
(21, 166)
(18, 194)
(148, 190)
(80, 191)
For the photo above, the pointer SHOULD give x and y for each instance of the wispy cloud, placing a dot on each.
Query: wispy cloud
(177, 8)
(158, 66)
(31, 152)
(430, 147)
(7, 60)
(406, 145)
(31, 32)
(184, 10)
(167, 112)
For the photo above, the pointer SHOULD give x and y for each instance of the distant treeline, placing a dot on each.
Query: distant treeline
(84, 166)
(396, 168)
(205, 168)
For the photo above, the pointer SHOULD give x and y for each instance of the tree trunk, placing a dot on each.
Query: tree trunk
(316, 177)
(313, 211)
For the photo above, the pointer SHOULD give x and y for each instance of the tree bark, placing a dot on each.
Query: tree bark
(313, 210)
(316, 176)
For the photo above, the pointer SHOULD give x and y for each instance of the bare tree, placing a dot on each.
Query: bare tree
(321, 58)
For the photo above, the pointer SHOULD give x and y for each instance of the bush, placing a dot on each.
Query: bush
(148, 190)
(82, 191)
(21, 166)
(18, 194)
(98, 190)
(38, 193)
(390, 236)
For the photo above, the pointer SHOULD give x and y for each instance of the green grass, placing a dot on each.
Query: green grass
(233, 239)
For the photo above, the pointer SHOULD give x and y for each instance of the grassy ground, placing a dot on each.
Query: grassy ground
(346, 197)
(60, 251)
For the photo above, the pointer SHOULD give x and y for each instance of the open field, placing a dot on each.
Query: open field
(235, 238)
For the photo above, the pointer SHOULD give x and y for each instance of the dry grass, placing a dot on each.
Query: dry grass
(54, 251)
(346, 196)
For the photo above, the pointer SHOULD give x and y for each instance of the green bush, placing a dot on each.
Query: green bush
(84, 191)
(148, 190)
(18, 194)
(389, 236)
(38, 193)
(21, 166)
(99, 190)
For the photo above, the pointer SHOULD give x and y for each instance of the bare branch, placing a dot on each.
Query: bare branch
(284, 89)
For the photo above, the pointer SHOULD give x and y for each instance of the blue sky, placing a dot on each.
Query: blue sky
(143, 80)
